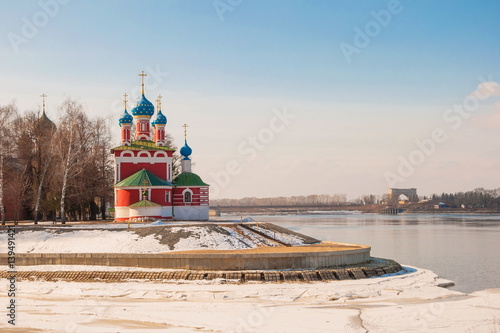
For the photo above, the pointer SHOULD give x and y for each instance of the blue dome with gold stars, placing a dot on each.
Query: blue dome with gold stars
(143, 107)
(126, 118)
(160, 119)
(186, 151)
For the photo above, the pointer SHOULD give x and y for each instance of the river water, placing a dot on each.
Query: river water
(461, 248)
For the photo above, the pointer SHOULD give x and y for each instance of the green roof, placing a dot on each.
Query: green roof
(143, 145)
(189, 179)
(144, 203)
(143, 178)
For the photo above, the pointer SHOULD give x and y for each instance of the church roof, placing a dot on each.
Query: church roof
(143, 145)
(143, 178)
(144, 203)
(126, 118)
(189, 179)
(186, 151)
(160, 119)
(45, 123)
(143, 107)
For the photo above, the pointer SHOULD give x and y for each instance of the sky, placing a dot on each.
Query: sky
(281, 98)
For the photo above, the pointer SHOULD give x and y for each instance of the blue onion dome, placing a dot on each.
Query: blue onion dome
(160, 119)
(153, 123)
(186, 151)
(143, 107)
(126, 118)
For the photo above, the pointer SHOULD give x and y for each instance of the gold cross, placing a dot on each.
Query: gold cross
(143, 75)
(158, 101)
(125, 100)
(43, 101)
(185, 130)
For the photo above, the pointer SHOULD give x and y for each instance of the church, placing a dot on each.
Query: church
(145, 186)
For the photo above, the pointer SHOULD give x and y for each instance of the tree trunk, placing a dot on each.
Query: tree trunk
(45, 168)
(63, 190)
(39, 192)
(103, 207)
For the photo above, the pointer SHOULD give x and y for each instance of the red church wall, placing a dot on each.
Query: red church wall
(135, 153)
(125, 134)
(126, 197)
(179, 197)
(158, 196)
(128, 169)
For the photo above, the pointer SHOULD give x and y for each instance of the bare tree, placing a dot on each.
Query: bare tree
(6, 115)
(73, 136)
(42, 135)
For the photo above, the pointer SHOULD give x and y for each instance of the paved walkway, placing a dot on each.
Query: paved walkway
(322, 247)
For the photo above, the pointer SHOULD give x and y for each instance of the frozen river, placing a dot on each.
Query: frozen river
(461, 248)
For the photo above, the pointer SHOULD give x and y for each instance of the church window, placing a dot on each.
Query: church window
(187, 197)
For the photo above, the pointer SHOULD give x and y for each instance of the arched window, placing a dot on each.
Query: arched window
(187, 196)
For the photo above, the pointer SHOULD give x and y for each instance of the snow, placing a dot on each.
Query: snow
(117, 241)
(257, 239)
(402, 303)
(287, 239)
(202, 238)
(101, 240)
(158, 223)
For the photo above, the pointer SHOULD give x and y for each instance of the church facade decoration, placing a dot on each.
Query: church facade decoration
(145, 186)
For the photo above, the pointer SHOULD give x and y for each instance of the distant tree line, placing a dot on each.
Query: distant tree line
(54, 169)
(369, 199)
(478, 198)
(309, 200)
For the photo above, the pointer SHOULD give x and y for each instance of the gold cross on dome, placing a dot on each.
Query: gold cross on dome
(143, 75)
(158, 102)
(43, 102)
(185, 130)
(125, 100)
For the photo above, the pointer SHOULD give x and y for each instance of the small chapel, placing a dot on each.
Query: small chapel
(145, 186)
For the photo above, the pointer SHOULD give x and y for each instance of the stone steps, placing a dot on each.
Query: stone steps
(313, 275)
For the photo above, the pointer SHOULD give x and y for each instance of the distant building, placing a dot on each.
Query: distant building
(440, 205)
(144, 183)
(393, 195)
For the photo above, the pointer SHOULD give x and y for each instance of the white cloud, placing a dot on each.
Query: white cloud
(487, 89)
(488, 121)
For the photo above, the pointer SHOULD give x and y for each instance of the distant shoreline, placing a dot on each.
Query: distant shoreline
(320, 209)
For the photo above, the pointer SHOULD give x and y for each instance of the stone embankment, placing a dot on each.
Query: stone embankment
(373, 268)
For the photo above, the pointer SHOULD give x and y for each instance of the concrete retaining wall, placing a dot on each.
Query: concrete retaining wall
(373, 268)
(208, 261)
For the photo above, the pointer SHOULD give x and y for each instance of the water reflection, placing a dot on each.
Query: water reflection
(462, 248)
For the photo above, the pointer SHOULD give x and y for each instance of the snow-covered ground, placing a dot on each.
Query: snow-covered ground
(203, 238)
(287, 239)
(404, 303)
(157, 239)
(120, 241)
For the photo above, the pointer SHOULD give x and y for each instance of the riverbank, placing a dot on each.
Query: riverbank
(405, 303)
(418, 208)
